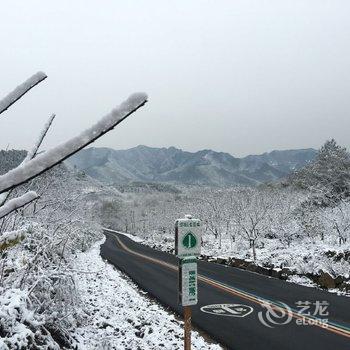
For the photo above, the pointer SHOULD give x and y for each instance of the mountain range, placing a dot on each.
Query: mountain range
(173, 165)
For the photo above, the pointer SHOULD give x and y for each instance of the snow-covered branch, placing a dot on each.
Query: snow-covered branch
(61, 152)
(3, 198)
(21, 90)
(32, 153)
(17, 203)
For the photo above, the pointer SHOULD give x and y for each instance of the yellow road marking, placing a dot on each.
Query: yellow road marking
(241, 294)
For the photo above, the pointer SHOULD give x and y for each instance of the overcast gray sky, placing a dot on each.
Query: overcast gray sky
(239, 76)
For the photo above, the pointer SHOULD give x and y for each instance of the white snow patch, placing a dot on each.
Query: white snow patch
(302, 280)
(118, 316)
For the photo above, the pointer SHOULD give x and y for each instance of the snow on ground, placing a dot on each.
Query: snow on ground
(306, 282)
(118, 316)
(302, 257)
(301, 280)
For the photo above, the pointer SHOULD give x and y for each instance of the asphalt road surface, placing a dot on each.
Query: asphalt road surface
(231, 301)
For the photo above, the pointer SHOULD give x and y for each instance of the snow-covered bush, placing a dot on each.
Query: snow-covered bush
(21, 327)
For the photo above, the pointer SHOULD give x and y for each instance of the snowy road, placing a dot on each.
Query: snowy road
(246, 323)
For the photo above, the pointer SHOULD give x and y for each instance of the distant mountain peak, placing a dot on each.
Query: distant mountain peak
(172, 165)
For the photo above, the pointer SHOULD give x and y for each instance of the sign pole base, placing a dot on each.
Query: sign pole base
(187, 326)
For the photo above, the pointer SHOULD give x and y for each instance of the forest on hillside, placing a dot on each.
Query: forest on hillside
(301, 223)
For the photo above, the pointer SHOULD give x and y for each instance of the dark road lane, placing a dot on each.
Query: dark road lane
(156, 273)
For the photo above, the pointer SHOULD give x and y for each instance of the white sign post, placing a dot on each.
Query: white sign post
(187, 237)
(188, 247)
(188, 289)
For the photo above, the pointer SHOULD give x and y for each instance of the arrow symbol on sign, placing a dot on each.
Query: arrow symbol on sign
(189, 241)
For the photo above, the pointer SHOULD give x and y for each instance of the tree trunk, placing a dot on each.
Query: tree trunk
(232, 240)
(253, 248)
(216, 233)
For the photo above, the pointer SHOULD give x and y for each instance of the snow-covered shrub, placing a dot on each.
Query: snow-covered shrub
(20, 326)
(54, 230)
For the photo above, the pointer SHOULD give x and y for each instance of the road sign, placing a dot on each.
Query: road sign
(188, 286)
(187, 237)
(233, 310)
(187, 248)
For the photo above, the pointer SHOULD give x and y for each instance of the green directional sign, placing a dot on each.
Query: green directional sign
(187, 237)
(189, 240)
